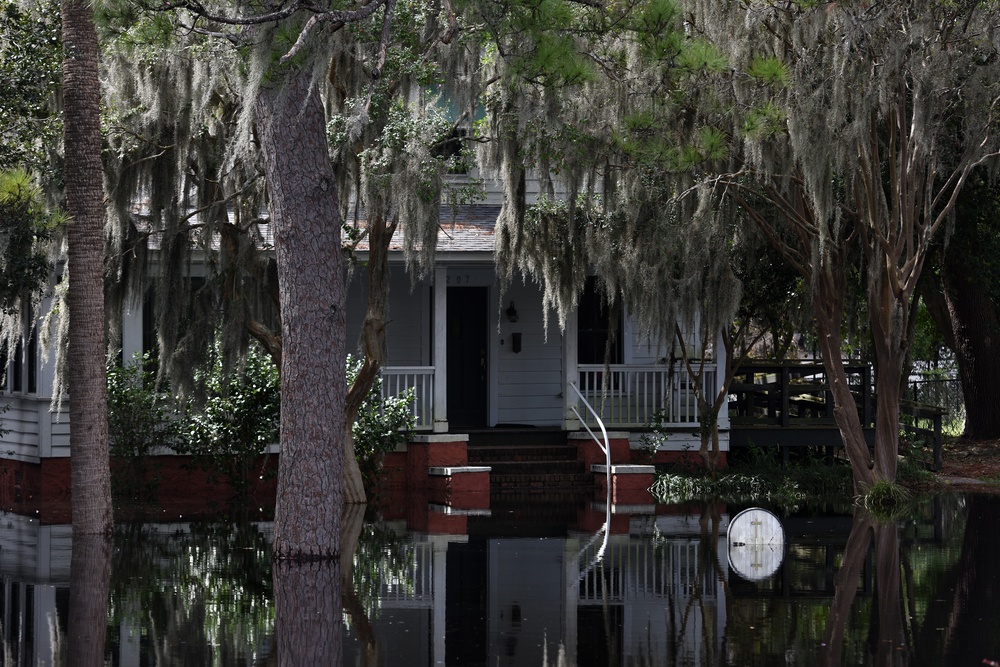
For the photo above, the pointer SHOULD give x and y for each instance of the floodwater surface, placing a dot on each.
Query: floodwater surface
(544, 584)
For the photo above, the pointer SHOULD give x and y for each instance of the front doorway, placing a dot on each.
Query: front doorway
(468, 355)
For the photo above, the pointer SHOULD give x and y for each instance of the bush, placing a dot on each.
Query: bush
(238, 419)
(141, 421)
(381, 425)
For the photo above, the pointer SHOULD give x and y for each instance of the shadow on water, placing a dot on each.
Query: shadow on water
(657, 586)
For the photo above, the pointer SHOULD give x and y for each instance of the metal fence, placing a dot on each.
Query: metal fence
(945, 393)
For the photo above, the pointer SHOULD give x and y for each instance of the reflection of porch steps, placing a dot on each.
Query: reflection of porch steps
(531, 514)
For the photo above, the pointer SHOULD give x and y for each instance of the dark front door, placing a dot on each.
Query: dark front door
(468, 351)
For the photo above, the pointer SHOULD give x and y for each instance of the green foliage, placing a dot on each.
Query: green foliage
(141, 422)
(763, 120)
(382, 557)
(555, 56)
(30, 61)
(238, 418)
(700, 55)
(733, 488)
(760, 477)
(656, 28)
(195, 587)
(769, 70)
(25, 228)
(382, 424)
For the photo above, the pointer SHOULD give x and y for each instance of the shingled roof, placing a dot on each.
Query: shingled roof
(467, 228)
(462, 229)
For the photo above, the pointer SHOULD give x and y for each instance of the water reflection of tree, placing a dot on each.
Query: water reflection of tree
(381, 556)
(90, 574)
(701, 600)
(964, 605)
(197, 593)
(950, 615)
(887, 640)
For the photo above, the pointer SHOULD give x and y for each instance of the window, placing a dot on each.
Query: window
(593, 328)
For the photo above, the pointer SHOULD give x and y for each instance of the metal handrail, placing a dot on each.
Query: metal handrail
(606, 448)
(605, 445)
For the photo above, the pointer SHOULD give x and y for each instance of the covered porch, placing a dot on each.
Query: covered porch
(477, 358)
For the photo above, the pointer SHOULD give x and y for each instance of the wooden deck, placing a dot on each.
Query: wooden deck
(789, 404)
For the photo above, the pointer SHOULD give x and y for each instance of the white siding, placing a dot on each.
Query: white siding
(529, 383)
(493, 189)
(32, 552)
(33, 431)
(408, 328)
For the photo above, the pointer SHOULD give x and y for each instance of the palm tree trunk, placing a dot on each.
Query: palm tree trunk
(86, 374)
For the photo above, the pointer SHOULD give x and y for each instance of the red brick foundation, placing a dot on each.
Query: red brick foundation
(173, 484)
(407, 488)
(629, 485)
(589, 452)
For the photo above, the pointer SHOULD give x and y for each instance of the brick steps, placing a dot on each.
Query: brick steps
(538, 469)
(503, 453)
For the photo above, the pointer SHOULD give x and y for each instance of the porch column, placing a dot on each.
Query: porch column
(440, 355)
(720, 371)
(571, 373)
(131, 333)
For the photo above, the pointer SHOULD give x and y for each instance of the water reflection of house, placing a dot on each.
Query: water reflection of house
(161, 614)
(653, 597)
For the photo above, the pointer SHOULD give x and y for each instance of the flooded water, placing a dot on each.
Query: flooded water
(539, 585)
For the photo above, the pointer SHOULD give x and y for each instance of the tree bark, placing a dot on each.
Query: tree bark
(304, 211)
(828, 298)
(372, 341)
(86, 374)
(975, 325)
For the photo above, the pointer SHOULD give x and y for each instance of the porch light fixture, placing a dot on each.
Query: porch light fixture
(512, 313)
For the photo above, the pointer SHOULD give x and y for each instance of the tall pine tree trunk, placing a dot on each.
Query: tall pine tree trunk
(304, 212)
(86, 374)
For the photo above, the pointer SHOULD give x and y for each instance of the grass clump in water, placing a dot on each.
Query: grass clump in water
(886, 500)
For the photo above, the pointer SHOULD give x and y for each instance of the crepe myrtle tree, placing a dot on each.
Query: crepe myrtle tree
(860, 125)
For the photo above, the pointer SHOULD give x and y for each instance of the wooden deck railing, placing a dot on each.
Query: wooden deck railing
(795, 394)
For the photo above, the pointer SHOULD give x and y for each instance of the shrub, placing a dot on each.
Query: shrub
(886, 500)
(238, 418)
(381, 425)
(141, 421)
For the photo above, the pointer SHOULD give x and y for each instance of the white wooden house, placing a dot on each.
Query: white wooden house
(476, 356)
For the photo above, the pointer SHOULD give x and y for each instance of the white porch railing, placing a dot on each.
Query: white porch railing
(634, 395)
(397, 379)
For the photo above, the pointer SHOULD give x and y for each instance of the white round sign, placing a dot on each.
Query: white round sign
(756, 544)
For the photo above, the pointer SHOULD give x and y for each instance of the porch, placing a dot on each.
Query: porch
(770, 404)
(625, 396)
